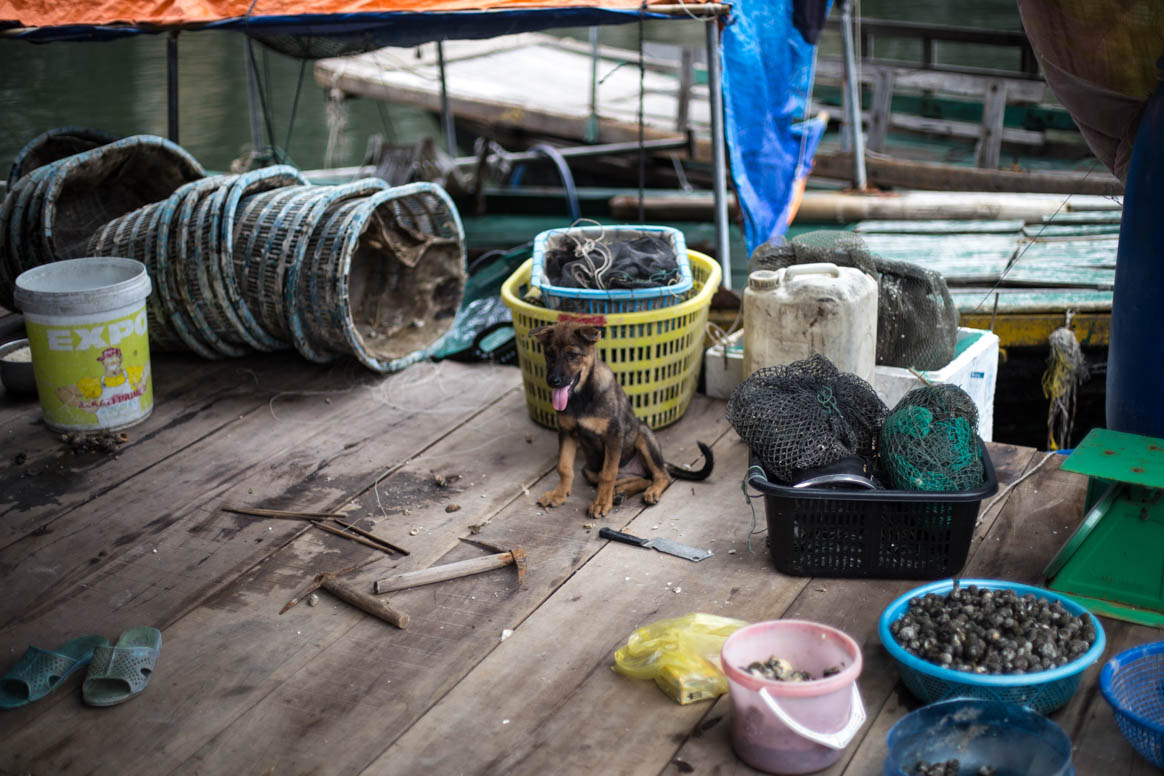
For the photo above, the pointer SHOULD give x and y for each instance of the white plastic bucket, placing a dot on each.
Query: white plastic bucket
(793, 727)
(86, 323)
(793, 313)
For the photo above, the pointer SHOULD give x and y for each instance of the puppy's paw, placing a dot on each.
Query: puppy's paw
(599, 507)
(555, 498)
(652, 494)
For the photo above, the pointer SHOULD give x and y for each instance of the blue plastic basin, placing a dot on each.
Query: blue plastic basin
(1011, 738)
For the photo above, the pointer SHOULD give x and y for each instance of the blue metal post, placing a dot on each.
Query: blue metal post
(1135, 362)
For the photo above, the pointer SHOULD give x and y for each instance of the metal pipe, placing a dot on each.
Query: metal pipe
(172, 86)
(591, 135)
(253, 102)
(446, 111)
(569, 152)
(718, 151)
(853, 91)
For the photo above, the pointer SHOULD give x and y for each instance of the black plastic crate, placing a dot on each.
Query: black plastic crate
(888, 534)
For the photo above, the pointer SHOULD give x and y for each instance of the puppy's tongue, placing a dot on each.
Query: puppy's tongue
(560, 397)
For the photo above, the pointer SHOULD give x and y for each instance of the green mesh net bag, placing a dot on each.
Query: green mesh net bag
(929, 442)
(801, 417)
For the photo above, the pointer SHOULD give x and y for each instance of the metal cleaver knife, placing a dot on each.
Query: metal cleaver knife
(662, 545)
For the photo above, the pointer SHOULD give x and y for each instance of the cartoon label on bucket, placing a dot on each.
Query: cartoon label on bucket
(93, 375)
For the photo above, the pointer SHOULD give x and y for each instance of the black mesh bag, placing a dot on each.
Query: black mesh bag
(803, 417)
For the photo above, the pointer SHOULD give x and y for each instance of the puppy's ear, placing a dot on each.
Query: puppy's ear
(590, 334)
(542, 334)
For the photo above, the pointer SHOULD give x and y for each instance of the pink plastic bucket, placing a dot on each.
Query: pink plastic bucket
(793, 727)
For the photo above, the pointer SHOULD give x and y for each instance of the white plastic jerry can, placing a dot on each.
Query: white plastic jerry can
(793, 313)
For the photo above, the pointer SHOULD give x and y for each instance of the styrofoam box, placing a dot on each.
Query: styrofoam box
(720, 376)
(974, 370)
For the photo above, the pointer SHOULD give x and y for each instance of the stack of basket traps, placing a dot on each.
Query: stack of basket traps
(264, 261)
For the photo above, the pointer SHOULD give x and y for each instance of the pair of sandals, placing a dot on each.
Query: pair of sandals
(116, 672)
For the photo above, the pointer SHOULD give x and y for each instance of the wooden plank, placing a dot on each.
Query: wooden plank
(462, 621)
(372, 681)
(975, 258)
(915, 205)
(156, 546)
(1098, 251)
(1063, 276)
(830, 70)
(1086, 217)
(942, 127)
(990, 139)
(879, 109)
(553, 704)
(1092, 329)
(854, 606)
(961, 129)
(192, 399)
(939, 226)
(885, 171)
(241, 628)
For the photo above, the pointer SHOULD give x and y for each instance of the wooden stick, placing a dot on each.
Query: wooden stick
(319, 580)
(364, 602)
(332, 530)
(279, 514)
(372, 536)
(456, 570)
(315, 517)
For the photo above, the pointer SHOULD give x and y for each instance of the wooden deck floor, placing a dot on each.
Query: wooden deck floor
(97, 544)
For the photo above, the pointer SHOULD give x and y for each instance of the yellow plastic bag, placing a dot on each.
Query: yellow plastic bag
(681, 654)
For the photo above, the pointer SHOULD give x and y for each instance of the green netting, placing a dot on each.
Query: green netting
(929, 442)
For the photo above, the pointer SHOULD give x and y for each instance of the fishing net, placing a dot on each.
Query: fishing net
(798, 418)
(644, 262)
(930, 442)
(917, 322)
(1066, 369)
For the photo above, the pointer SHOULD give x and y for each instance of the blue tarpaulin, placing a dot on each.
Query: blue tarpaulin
(767, 76)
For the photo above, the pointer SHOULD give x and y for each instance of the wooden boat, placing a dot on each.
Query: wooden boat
(573, 93)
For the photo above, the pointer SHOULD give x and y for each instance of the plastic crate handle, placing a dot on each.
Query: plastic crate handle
(838, 740)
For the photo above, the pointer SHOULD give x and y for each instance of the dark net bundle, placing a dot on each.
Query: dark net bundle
(644, 262)
(917, 322)
(806, 415)
(929, 442)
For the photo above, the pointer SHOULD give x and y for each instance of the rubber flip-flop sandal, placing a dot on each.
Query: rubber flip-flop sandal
(40, 671)
(122, 671)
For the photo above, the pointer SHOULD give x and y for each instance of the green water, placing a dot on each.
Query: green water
(120, 86)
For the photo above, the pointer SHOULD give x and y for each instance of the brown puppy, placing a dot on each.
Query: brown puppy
(595, 414)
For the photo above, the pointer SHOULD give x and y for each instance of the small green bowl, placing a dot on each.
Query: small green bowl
(17, 376)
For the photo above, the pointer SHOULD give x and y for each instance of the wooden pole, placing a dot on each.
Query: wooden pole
(363, 601)
(448, 571)
(172, 85)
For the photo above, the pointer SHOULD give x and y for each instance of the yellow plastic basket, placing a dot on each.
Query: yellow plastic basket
(655, 354)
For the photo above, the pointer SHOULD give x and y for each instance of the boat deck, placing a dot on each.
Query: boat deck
(489, 676)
